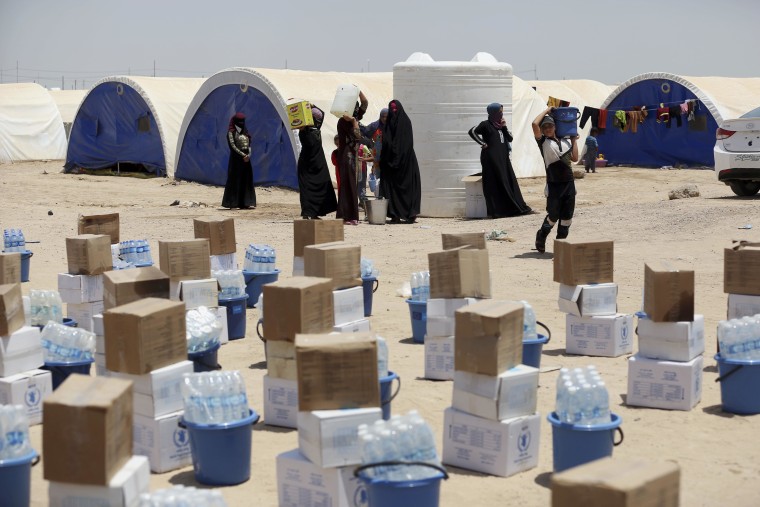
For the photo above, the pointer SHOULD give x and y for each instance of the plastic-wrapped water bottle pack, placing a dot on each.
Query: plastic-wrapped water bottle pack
(582, 397)
(182, 496)
(64, 344)
(382, 357)
(216, 397)
(202, 329)
(260, 258)
(46, 305)
(403, 438)
(14, 432)
(135, 251)
(368, 268)
(420, 286)
(13, 241)
(231, 283)
(529, 322)
(740, 338)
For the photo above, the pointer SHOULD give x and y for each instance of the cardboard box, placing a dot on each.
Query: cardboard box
(476, 240)
(27, 389)
(128, 285)
(299, 114)
(588, 300)
(145, 335)
(123, 490)
(618, 482)
(668, 293)
(348, 305)
(439, 357)
(100, 366)
(84, 312)
(301, 483)
(285, 350)
(741, 270)
(10, 268)
(107, 224)
(166, 445)
(89, 254)
(603, 336)
(664, 384)
(330, 438)
(337, 371)
(220, 233)
(740, 305)
(475, 201)
(185, 259)
(97, 326)
(197, 293)
(511, 394)
(223, 262)
(298, 264)
(78, 289)
(282, 368)
(298, 305)
(338, 261)
(500, 448)
(12, 316)
(357, 326)
(87, 430)
(459, 273)
(582, 262)
(159, 392)
(441, 319)
(672, 341)
(21, 351)
(280, 402)
(489, 337)
(315, 232)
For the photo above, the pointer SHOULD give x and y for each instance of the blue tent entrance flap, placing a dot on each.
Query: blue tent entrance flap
(205, 154)
(114, 124)
(655, 144)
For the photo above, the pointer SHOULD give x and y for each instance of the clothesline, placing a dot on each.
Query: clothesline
(644, 108)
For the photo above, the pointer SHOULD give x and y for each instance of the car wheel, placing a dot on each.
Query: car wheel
(745, 188)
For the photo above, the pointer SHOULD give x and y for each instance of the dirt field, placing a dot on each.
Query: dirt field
(719, 453)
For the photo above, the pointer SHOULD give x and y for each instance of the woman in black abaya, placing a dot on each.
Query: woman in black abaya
(314, 183)
(400, 183)
(239, 191)
(500, 187)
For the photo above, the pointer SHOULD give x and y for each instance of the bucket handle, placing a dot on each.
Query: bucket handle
(182, 424)
(375, 285)
(724, 377)
(618, 430)
(403, 463)
(31, 254)
(393, 396)
(548, 331)
(259, 330)
(36, 460)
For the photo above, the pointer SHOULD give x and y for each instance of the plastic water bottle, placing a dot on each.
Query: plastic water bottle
(272, 259)
(415, 286)
(382, 357)
(601, 404)
(14, 432)
(22, 241)
(529, 322)
(257, 259)
(182, 496)
(425, 285)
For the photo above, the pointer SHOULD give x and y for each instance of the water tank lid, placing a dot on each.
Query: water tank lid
(484, 58)
(420, 57)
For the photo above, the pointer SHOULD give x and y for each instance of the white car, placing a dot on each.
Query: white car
(737, 153)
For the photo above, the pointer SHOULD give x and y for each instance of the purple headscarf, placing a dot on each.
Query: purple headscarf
(495, 114)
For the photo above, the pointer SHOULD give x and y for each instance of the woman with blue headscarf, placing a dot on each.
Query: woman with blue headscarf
(500, 188)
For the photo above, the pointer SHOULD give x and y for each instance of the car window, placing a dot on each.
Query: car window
(755, 113)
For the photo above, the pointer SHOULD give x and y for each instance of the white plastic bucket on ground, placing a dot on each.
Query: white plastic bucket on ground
(377, 210)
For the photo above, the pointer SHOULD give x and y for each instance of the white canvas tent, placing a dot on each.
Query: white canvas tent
(526, 105)
(30, 124)
(67, 102)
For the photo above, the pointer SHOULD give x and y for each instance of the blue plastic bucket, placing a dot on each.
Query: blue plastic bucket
(221, 452)
(16, 480)
(575, 445)
(369, 284)
(418, 313)
(26, 257)
(254, 281)
(419, 493)
(739, 385)
(566, 120)
(386, 395)
(206, 360)
(61, 371)
(235, 316)
(532, 351)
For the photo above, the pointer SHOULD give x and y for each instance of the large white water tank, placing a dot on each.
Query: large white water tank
(444, 100)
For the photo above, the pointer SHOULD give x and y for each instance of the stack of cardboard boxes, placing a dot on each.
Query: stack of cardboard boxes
(89, 256)
(300, 305)
(312, 232)
(492, 425)
(741, 280)
(338, 390)
(87, 444)
(587, 294)
(220, 233)
(667, 371)
(21, 382)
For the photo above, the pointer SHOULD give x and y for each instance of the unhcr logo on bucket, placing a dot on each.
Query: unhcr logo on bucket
(360, 497)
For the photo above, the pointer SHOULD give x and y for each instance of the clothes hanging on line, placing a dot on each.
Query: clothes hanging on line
(619, 120)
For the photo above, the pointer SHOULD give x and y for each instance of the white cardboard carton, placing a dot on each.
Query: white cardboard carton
(159, 392)
(100, 365)
(280, 402)
(27, 389)
(672, 341)
(77, 289)
(664, 384)
(330, 438)
(83, 313)
(492, 447)
(21, 351)
(358, 326)
(301, 483)
(124, 490)
(440, 315)
(297, 266)
(27, 310)
(197, 293)
(439, 357)
(740, 305)
(223, 262)
(511, 394)
(604, 336)
(97, 325)
(588, 300)
(348, 305)
(164, 443)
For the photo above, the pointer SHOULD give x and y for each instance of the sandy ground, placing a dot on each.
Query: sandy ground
(719, 453)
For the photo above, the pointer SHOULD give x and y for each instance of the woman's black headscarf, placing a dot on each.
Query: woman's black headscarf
(398, 138)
